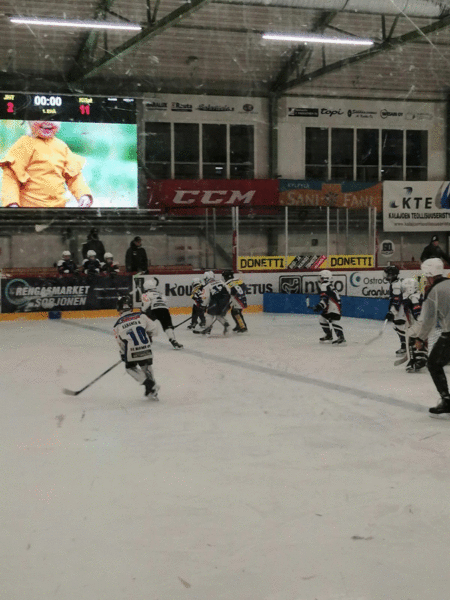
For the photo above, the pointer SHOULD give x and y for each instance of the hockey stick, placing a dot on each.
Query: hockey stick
(182, 322)
(379, 334)
(71, 393)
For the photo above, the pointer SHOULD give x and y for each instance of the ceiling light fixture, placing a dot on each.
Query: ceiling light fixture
(76, 23)
(308, 38)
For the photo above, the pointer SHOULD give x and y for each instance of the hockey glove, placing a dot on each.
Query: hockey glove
(123, 357)
(317, 308)
(85, 201)
(389, 317)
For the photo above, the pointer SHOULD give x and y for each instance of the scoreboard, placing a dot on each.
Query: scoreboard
(53, 107)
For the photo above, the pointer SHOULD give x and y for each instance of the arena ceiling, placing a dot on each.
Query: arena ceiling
(215, 47)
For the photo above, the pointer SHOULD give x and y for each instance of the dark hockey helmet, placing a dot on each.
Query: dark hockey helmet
(227, 274)
(124, 303)
(391, 272)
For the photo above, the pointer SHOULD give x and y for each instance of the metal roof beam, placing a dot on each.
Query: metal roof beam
(142, 37)
(300, 56)
(385, 46)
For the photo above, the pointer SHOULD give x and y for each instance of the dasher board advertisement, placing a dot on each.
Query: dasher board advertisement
(416, 205)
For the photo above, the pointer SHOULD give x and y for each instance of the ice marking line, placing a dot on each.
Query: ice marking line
(328, 385)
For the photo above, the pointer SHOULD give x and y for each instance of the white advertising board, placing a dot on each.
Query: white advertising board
(416, 205)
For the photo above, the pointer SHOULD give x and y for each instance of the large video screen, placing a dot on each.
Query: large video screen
(68, 152)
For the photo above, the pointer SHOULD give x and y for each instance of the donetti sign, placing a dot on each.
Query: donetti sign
(212, 193)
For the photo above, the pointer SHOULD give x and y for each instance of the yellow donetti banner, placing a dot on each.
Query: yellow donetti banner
(268, 263)
(349, 261)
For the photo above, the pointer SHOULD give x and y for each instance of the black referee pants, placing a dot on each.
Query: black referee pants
(438, 358)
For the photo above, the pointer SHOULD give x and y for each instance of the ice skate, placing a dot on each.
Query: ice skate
(443, 408)
(204, 331)
(326, 338)
(340, 340)
(243, 330)
(151, 390)
(401, 350)
(225, 328)
(176, 345)
(191, 326)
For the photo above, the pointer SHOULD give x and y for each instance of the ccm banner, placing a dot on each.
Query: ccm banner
(196, 195)
(36, 294)
(416, 205)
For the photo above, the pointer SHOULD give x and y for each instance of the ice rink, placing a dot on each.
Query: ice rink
(273, 468)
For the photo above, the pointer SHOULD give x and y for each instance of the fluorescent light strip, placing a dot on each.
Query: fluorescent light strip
(317, 39)
(76, 23)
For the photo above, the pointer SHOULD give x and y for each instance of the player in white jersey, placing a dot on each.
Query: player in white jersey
(330, 309)
(396, 313)
(154, 305)
(412, 301)
(134, 332)
(216, 301)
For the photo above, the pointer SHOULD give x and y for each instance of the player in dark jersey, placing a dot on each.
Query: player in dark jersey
(238, 299)
(396, 313)
(330, 309)
(198, 312)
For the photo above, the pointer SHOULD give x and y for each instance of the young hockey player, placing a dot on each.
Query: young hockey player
(154, 305)
(395, 313)
(216, 301)
(66, 266)
(198, 312)
(134, 332)
(109, 267)
(238, 299)
(330, 309)
(436, 306)
(412, 306)
(91, 265)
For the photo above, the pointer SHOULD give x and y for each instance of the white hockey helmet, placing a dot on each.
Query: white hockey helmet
(326, 276)
(196, 281)
(108, 255)
(66, 254)
(432, 267)
(209, 276)
(150, 284)
(92, 253)
(409, 287)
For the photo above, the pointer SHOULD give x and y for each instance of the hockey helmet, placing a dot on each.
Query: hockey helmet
(209, 276)
(150, 284)
(391, 272)
(124, 303)
(108, 256)
(326, 276)
(196, 281)
(227, 274)
(91, 254)
(66, 255)
(432, 267)
(409, 287)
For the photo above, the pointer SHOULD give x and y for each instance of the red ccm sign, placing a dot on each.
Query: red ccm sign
(212, 193)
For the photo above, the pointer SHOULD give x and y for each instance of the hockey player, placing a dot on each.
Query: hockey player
(134, 332)
(109, 267)
(395, 313)
(436, 306)
(154, 305)
(198, 312)
(238, 299)
(330, 309)
(66, 266)
(216, 301)
(91, 264)
(412, 306)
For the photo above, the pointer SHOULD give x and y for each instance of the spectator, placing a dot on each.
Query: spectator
(93, 243)
(136, 260)
(110, 267)
(66, 266)
(433, 250)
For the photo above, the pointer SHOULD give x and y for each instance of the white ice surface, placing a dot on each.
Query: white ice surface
(273, 468)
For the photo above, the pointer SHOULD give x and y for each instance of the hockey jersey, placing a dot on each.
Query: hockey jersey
(396, 299)
(91, 267)
(330, 300)
(134, 333)
(196, 295)
(215, 297)
(412, 305)
(66, 267)
(152, 299)
(110, 268)
(237, 290)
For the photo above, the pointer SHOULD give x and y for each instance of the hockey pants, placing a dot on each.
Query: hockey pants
(198, 316)
(238, 318)
(439, 357)
(141, 371)
(209, 320)
(328, 324)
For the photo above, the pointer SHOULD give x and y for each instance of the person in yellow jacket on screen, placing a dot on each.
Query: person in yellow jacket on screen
(38, 167)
